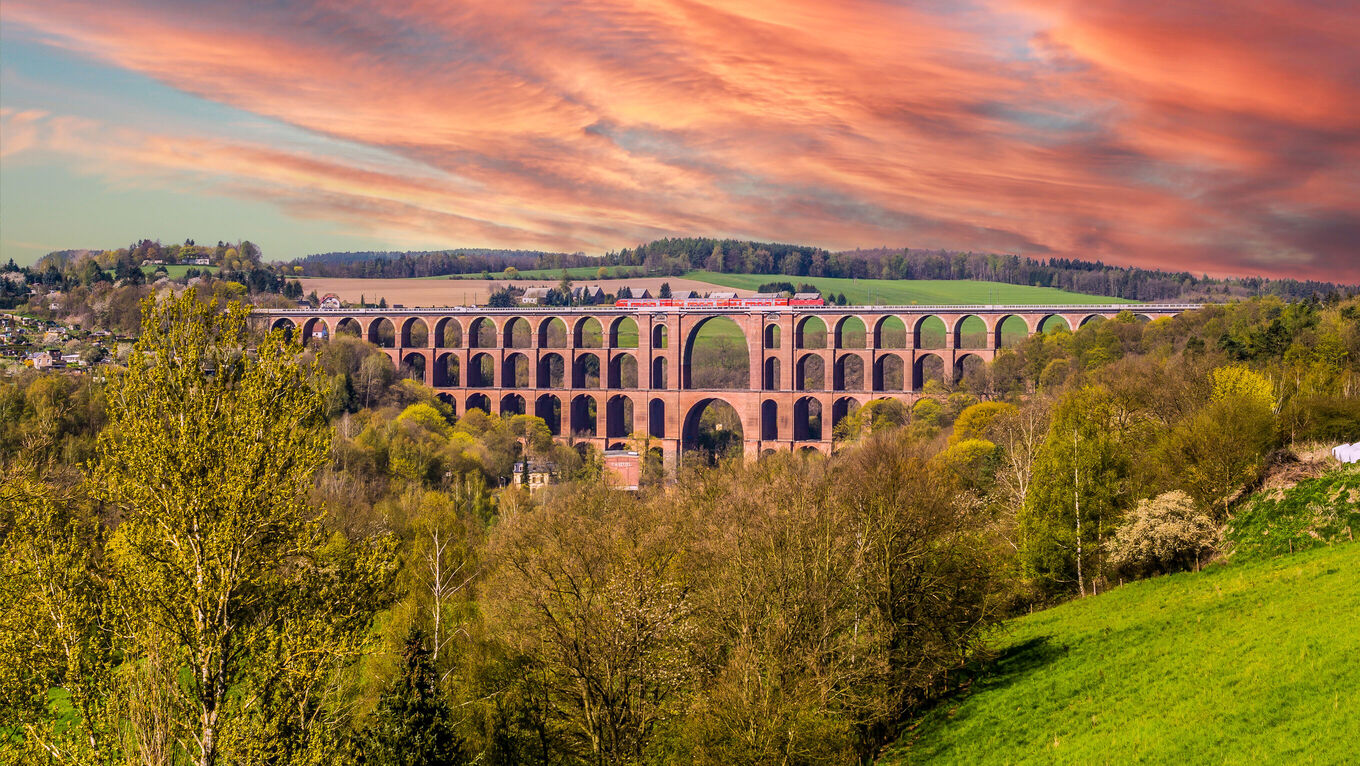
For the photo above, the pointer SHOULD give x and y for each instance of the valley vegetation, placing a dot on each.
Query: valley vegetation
(234, 549)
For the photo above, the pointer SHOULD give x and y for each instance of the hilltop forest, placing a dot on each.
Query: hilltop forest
(243, 263)
(102, 289)
(676, 256)
(228, 548)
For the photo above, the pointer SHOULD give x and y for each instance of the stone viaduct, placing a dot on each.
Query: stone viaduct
(602, 374)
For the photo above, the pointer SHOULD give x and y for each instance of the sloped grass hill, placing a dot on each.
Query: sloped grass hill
(1312, 513)
(1243, 663)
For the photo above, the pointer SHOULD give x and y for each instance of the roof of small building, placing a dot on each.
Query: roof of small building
(806, 296)
(722, 296)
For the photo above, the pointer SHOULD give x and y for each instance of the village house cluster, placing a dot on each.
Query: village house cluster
(183, 262)
(42, 344)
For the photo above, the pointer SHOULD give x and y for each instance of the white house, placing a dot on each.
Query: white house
(534, 295)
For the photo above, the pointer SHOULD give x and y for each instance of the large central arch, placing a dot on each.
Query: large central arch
(728, 333)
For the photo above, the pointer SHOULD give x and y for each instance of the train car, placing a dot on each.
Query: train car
(716, 303)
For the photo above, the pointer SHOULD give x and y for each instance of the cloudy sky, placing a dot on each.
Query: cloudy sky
(1215, 135)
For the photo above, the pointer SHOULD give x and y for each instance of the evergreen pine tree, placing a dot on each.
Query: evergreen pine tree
(412, 725)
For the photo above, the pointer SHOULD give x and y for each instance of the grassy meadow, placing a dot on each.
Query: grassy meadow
(172, 270)
(909, 291)
(860, 291)
(1242, 663)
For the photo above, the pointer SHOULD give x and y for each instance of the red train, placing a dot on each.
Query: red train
(715, 303)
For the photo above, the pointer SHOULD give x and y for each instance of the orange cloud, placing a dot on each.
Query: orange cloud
(1201, 136)
(19, 130)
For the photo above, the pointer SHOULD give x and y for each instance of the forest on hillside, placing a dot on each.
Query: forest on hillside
(244, 262)
(676, 256)
(101, 289)
(387, 264)
(296, 555)
(1093, 277)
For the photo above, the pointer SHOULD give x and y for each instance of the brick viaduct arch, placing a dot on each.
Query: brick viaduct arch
(603, 374)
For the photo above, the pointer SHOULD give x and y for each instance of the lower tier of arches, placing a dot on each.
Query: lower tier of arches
(640, 419)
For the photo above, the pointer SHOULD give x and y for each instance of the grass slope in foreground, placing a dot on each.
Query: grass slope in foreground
(1256, 663)
(907, 291)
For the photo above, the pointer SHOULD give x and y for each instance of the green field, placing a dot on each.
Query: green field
(176, 271)
(864, 291)
(908, 291)
(1254, 663)
(172, 270)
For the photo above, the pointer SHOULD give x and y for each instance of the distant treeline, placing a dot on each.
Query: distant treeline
(381, 264)
(675, 256)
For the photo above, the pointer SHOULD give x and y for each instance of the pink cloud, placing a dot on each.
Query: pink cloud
(19, 129)
(1201, 136)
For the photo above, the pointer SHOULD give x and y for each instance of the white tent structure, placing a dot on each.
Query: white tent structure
(1347, 453)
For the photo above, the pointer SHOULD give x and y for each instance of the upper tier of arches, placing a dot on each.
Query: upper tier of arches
(867, 328)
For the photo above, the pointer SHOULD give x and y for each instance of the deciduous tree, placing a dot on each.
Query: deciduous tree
(53, 619)
(1079, 488)
(587, 587)
(224, 580)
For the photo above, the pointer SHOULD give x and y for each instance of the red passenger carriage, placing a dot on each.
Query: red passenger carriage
(715, 303)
